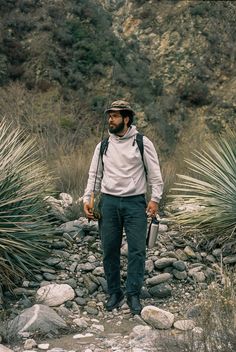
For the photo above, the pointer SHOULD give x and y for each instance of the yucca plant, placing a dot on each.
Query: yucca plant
(25, 230)
(212, 189)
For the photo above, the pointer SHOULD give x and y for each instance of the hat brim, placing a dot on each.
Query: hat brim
(119, 109)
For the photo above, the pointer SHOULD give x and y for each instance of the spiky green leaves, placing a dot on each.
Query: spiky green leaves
(211, 189)
(24, 226)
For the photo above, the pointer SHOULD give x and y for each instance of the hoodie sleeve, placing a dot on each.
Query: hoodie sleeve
(95, 168)
(154, 177)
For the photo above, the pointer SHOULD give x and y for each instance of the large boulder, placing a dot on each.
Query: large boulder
(39, 318)
(158, 318)
(55, 294)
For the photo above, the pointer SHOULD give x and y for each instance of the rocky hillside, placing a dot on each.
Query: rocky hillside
(174, 60)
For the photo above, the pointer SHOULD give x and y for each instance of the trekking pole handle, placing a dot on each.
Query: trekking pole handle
(91, 203)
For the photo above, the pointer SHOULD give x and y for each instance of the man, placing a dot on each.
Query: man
(121, 177)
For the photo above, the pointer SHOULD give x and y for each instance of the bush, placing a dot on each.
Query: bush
(195, 92)
(211, 190)
(25, 230)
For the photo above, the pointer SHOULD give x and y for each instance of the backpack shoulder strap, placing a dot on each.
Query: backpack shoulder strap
(103, 147)
(139, 140)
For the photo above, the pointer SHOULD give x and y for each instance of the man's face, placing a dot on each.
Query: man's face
(116, 122)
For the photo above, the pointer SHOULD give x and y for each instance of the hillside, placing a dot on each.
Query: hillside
(174, 60)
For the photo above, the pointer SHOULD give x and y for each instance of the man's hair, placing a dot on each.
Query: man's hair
(128, 113)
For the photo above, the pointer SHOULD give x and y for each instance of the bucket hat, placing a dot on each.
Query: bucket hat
(119, 105)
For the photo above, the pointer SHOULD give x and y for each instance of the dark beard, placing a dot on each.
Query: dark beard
(118, 128)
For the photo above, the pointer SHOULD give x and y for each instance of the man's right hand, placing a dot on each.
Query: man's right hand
(88, 211)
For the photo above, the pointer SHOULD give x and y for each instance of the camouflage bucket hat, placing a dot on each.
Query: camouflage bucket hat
(119, 105)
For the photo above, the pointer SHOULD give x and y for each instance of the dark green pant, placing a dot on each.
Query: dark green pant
(128, 213)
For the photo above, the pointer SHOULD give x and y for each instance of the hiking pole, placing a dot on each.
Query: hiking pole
(92, 197)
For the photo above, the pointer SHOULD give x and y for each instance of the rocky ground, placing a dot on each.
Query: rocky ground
(63, 308)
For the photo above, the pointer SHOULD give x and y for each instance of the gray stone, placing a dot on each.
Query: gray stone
(52, 261)
(229, 259)
(189, 252)
(181, 255)
(5, 349)
(157, 279)
(38, 318)
(180, 265)
(158, 318)
(59, 245)
(71, 282)
(29, 344)
(86, 267)
(91, 310)
(55, 294)
(19, 291)
(184, 325)
(103, 283)
(164, 262)
(194, 311)
(199, 276)
(162, 290)
(217, 252)
(49, 277)
(180, 275)
(80, 301)
(90, 285)
(210, 258)
(149, 266)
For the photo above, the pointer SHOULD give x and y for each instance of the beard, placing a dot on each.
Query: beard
(118, 128)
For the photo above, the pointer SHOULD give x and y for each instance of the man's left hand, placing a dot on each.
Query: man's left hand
(152, 208)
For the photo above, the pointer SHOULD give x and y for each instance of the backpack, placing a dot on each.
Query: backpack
(139, 141)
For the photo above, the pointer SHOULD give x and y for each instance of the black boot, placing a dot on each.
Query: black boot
(114, 301)
(134, 304)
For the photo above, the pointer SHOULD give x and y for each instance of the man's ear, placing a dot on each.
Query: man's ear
(126, 120)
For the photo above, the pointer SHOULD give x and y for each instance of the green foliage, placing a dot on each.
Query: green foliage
(3, 69)
(25, 230)
(200, 9)
(212, 189)
(196, 92)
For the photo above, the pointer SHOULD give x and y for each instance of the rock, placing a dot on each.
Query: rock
(180, 265)
(97, 328)
(149, 266)
(49, 276)
(86, 267)
(164, 262)
(189, 252)
(158, 318)
(230, 259)
(98, 271)
(162, 228)
(66, 199)
(157, 279)
(20, 291)
(29, 344)
(5, 349)
(71, 282)
(43, 346)
(181, 255)
(55, 294)
(162, 290)
(180, 275)
(197, 275)
(184, 325)
(81, 323)
(90, 285)
(194, 311)
(38, 318)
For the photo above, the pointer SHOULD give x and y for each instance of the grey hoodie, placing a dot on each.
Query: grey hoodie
(122, 171)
